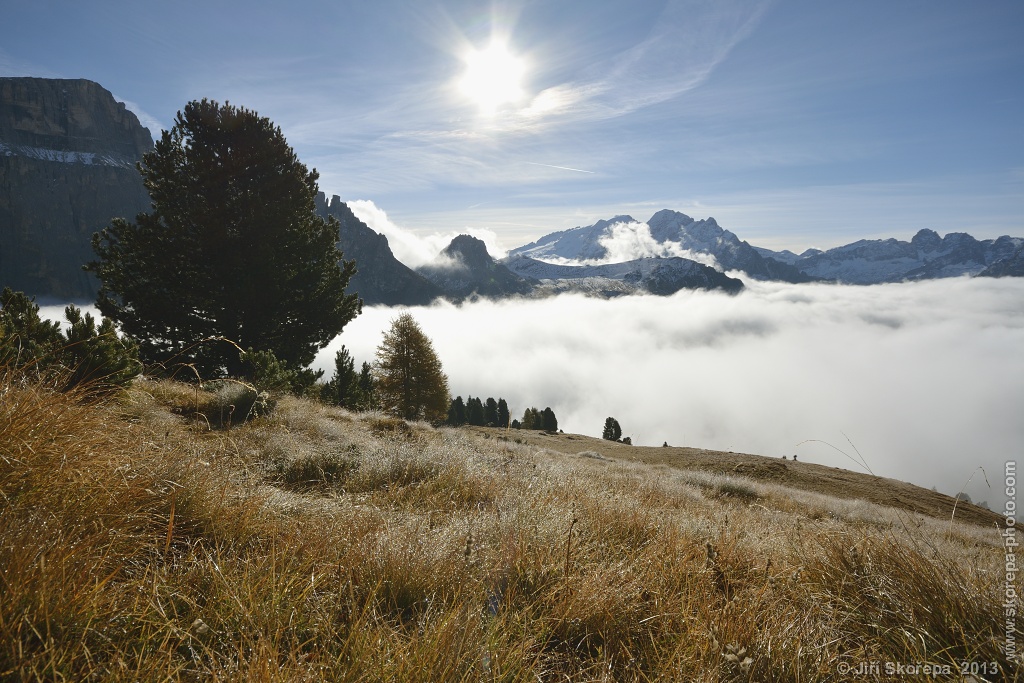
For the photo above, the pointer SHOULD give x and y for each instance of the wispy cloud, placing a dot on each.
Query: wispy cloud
(561, 168)
(684, 46)
(422, 131)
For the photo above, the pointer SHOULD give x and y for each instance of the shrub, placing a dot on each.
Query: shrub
(84, 355)
(734, 489)
(268, 373)
(234, 402)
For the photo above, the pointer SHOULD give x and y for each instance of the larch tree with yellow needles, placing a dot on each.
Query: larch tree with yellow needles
(410, 382)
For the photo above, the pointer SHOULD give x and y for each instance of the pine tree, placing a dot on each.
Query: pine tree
(503, 413)
(475, 412)
(367, 397)
(491, 413)
(343, 387)
(549, 421)
(410, 382)
(612, 430)
(25, 337)
(232, 250)
(457, 412)
(534, 419)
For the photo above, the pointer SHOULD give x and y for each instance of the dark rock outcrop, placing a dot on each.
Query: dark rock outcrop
(464, 269)
(68, 151)
(380, 277)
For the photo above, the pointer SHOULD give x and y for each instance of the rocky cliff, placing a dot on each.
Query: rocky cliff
(380, 277)
(68, 151)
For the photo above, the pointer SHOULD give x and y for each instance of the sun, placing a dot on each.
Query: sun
(493, 77)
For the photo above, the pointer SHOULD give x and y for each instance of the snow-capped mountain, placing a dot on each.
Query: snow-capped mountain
(577, 244)
(925, 256)
(668, 233)
(464, 270)
(671, 233)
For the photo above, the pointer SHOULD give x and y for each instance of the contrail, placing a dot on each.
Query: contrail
(564, 168)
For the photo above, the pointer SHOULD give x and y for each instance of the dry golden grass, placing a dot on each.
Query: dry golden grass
(317, 544)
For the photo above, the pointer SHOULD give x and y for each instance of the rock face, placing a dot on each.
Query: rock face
(1011, 266)
(464, 269)
(380, 278)
(67, 167)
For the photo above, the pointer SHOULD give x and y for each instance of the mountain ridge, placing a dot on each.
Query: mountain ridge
(926, 256)
(380, 277)
(68, 155)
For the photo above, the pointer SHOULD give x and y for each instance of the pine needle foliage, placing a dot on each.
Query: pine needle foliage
(410, 381)
(232, 250)
(84, 355)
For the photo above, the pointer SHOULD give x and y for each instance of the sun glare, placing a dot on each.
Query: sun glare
(492, 77)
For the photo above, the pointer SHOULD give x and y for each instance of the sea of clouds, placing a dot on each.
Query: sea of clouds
(925, 379)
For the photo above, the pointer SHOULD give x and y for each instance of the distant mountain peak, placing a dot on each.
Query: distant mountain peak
(464, 270)
(380, 277)
(926, 239)
(470, 251)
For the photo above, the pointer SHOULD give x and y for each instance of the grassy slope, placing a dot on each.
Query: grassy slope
(315, 544)
(807, 476)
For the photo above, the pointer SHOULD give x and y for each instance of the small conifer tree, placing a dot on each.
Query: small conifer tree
(457, 412)
(475, 412)
(612, 430)
(343, 388)
(410, 382)
(84, 355)
(549, 421)
(491, 412)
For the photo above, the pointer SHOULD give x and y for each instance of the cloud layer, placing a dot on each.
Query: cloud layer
(926, 379)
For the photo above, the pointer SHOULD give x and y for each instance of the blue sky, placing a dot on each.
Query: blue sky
(794, 123)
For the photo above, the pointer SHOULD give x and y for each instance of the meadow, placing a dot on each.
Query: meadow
(157, 535)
